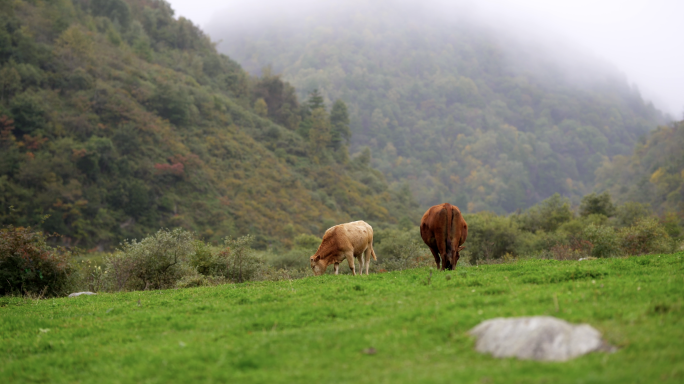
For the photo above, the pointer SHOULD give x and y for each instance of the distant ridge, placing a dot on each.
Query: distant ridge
(462, 114)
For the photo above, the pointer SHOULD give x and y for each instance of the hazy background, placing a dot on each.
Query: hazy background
(643, 39)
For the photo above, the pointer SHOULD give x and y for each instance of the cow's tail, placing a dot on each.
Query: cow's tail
(373, 252)
(448, 229)
(453, 219)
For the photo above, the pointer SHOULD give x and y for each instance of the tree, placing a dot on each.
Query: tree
(260, 107)
(597, 204)
(339, 122)
(280, 97)
(315, 100)
(547, 215)
(319, 135)
(116, 10)
(10, 82)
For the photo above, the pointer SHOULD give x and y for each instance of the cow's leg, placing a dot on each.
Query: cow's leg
(446, 264)
(456, 257)
(362, 262)
(350, 260)
(368, 259)
(337, 268)
(435, 253)
(443, 248)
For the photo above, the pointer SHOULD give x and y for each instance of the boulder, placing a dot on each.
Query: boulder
(537, 338)
(76, 294)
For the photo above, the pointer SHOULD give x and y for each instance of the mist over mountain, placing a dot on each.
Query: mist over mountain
(453, 107)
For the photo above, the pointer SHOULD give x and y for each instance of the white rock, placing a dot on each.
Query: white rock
(76, 294)
(537, 338)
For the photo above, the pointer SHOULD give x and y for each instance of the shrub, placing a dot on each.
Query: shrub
(397, 249)
(156, 262)
(29, 266)
(306, 241)
(562, 245)
(91, 276)
(547, 215)
(208, 262)
(242, 263)
(297, 258)
(597, 204)
(491, 236)
(631, 212)
(604, 240)
(646, 236)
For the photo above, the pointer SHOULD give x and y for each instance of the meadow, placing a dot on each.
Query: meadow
(400, 327)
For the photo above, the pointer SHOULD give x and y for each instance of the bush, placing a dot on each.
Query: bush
(297, 258)
(547, 215)
(208, 262)
(491, 236)
(631, 212)
(156, 262)
(306, 241)
(29, 266)
(91, 276)
(597, 204)
(562, 244)
(605, 240)
(397, 250)
(646, 236)
(242, 263)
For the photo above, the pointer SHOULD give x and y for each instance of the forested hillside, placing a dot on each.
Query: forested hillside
(460, 112)
(653, 174)
(117, 119)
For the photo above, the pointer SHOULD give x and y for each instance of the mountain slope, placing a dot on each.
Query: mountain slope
(463, 114)
(653, 174)
(117, 119)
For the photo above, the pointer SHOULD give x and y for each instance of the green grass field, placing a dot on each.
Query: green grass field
(315, 330)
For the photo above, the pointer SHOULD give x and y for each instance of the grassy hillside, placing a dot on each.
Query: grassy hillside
(117, 119)
(464, 113)
(316, 329)
(653, 174)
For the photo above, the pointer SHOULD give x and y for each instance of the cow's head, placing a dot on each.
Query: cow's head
(317, 265)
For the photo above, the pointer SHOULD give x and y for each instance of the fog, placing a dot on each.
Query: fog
(642, 39)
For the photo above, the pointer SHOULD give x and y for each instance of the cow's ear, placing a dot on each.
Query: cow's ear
(316, 257)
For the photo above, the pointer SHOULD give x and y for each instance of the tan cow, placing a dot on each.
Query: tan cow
(444, 230)
(344, 241)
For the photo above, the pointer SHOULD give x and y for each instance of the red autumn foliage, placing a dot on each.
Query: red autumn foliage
(6, 128)
(178, 164)
(78, 153)
(28, 264)
(34, 143)
(174, 169)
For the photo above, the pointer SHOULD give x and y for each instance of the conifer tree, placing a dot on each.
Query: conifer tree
(316, 100)
(319, 135)
(339, 122)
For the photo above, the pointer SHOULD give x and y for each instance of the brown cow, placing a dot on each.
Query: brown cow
(344, 241)
(444, 231)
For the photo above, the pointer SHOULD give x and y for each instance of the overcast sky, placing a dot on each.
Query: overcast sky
(642, 38)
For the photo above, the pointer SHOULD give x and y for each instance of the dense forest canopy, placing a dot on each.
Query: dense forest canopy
(117, 119)
(653, 174)
(460, 112)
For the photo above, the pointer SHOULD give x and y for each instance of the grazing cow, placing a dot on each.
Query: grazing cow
(444, 231)
(344, 241)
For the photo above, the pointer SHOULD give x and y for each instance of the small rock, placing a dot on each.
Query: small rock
(370, 351)
(537, 338)
(76, 294)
